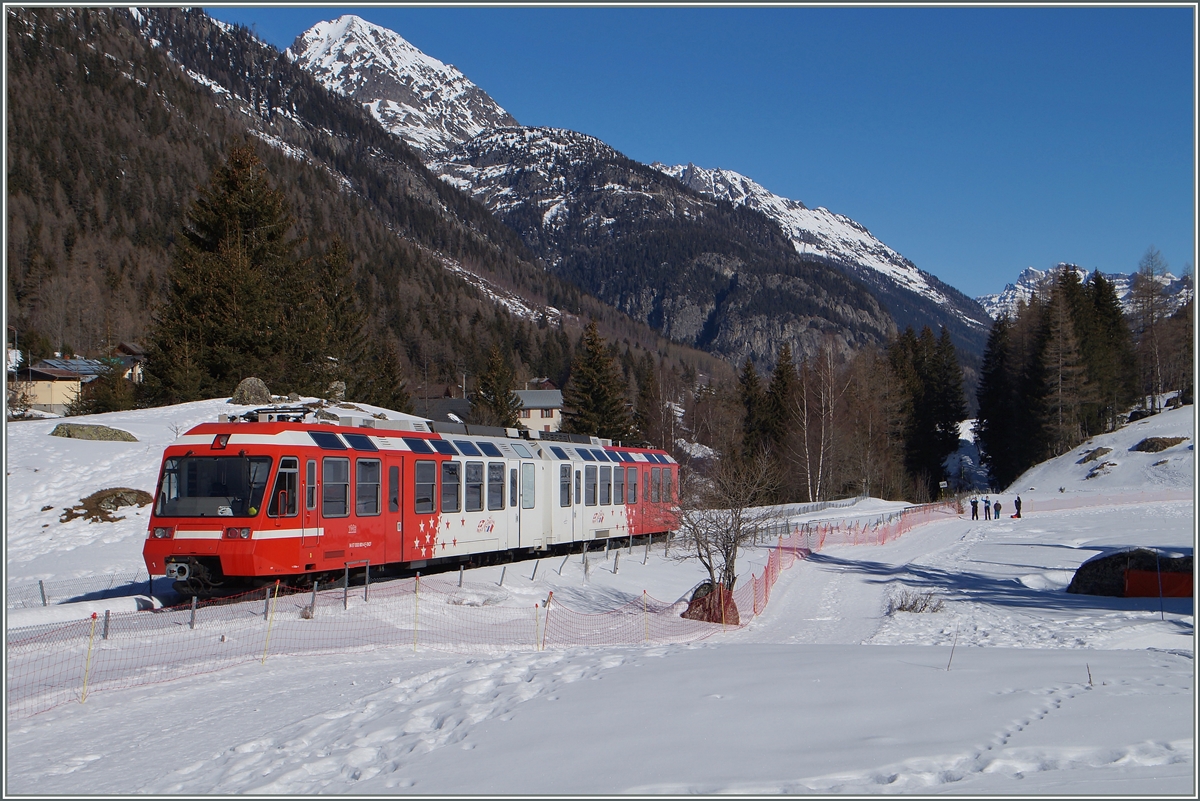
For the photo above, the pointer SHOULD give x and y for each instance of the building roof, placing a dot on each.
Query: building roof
(77, 367)
(540, 398)
(440, 409)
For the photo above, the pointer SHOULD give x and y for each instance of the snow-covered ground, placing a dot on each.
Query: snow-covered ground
(1014, 687)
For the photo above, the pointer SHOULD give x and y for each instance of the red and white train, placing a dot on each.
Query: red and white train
(272, 494)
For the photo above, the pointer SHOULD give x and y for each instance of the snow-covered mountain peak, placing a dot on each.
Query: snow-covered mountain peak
(1177, 291)
(430, 104)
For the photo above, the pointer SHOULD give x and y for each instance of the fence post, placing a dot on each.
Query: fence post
(266, 602)
(546, 626)
(536, 562)
(270, 621)
(503, 570)
(416, 604)
(346, 590)
(314, 598)
(536, 632)
(460, 574)
(87, 665)
(646, 558)
(366, 580)
(646, 615)
(754, 593)
(42, 589)
(192, 623)
(616, 562)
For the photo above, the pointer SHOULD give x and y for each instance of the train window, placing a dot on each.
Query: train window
(495, 483)
(600, 455)
(327, 440)
(473, 498)
(606, 486)
(490, 450)
(522, 451)
(360, 442)
(417, 445)
(424, 484)
(335, 487)
(310, 485)
(564, 485)
(512, 487)
(619, 485)
(366, 487)
(578, 494)
(287, 484)
(666, 489)
(467, 448)
(216, 486)
(585, 454)
(561, 454)
(646, 485)
(394, 488)
(631, 484)
(451, 480)
(527, 486)
(589, 484)
(655, 480)
(443, 447)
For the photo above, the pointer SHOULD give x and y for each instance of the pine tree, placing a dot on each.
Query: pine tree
(1108, 353)
(494, 402)
(594, 397)
(781, 399)
(649, 415)
(755, 436)
(225, 315)
(1065, 390)
(996, 426)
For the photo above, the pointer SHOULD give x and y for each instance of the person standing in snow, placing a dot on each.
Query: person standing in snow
(974, 508)
(996, 509)
(1017, 503)
(987, 509)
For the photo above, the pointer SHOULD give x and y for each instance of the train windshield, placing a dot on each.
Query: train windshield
(212, 486)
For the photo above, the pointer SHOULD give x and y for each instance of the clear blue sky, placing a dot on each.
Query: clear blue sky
(974, 141)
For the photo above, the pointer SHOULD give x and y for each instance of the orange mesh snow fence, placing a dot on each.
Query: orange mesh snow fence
(1153, 584)
(53, 664)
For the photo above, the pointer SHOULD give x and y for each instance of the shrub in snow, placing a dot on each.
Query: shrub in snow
(913, 601)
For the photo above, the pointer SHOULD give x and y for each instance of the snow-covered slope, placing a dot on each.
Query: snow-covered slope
(431, 105)
(1065, 694)
(1178, 291)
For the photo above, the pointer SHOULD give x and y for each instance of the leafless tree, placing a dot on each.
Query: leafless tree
(721, 513)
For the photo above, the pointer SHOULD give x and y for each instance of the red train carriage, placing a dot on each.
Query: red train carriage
(274, 495)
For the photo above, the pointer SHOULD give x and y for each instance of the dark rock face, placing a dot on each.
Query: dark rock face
(1105, 574)
(86, 431)
(701, 271)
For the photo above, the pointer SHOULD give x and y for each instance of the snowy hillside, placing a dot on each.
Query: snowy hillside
(814, 232)
(1178, 290)
(1011, 687)
(431, 105)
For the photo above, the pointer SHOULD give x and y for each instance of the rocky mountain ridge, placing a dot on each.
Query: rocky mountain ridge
(1177, 290)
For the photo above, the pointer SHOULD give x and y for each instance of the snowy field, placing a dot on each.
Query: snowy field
(1013, 687)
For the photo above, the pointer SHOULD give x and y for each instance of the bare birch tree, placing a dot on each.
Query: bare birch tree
(721, 514)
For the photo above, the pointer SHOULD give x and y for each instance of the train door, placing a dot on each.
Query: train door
(393, 525)
(529, 520)
(577, 505)
(310, 526)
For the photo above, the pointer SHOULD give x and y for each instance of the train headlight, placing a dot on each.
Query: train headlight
(161, 533)
(237, 533)
(245, 533)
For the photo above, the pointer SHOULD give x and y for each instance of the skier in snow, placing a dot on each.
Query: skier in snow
(1017, 503)
(996, 509)
(974, 508)
(987, 509)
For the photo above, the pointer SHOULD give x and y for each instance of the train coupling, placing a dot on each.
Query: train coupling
(178, 571)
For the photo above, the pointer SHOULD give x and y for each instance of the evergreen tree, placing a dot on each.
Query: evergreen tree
(755, 436)
(781, 399)
(996, 426)
(594, 396)
(494, 402)
(110, 391)
(649, 414)
(1109, 356)
(1065, 390)
(225, 314)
